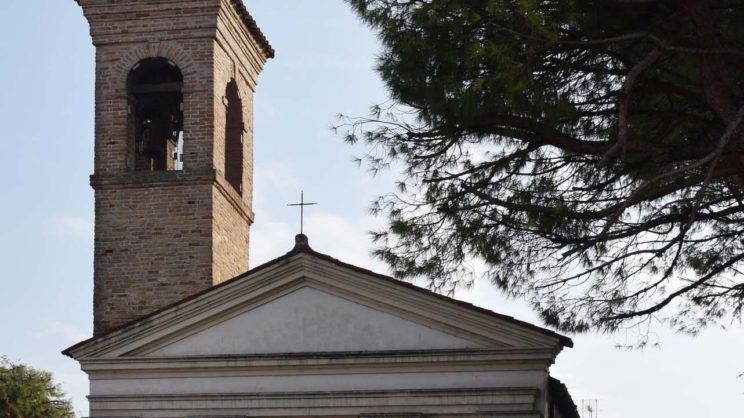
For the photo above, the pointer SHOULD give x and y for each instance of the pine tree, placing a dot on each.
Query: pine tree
(589, 153)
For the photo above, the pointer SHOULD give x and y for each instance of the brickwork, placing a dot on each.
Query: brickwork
(229, 234)
(161, 236)
(234, 62)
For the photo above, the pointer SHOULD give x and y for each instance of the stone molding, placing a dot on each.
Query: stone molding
(493, 402)
(337, 363)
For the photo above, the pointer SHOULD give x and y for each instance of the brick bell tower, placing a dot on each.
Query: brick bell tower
(173, 173)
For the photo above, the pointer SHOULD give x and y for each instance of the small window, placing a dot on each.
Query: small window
(156, 115)
(234, 129)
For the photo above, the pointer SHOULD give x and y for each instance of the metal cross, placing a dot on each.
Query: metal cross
(302, 205)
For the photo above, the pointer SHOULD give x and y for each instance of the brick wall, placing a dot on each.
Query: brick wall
(162, 236)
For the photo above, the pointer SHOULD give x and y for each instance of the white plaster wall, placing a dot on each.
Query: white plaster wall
(309, 320)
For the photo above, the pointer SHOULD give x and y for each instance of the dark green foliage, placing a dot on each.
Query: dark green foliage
(589, 153)
(29, 393)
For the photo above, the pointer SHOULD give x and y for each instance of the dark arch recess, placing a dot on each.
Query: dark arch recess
(234, 129)
(155, 91)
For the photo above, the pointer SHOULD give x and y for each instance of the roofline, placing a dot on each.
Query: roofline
(182, 301)
(565, 341)
(305, 249)
(253, 28)
(251, 25)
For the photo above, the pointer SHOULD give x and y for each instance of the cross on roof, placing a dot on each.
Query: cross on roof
(302, 205)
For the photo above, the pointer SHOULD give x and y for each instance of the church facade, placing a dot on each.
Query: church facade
(182, 330)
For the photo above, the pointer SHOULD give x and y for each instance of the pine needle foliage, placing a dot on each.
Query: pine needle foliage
(589, 154)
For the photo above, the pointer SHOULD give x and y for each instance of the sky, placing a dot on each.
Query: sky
(324, 66)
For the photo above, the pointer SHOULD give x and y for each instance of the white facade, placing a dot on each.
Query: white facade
(306, 335)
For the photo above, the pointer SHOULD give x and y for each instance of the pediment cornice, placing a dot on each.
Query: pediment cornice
(308, 269)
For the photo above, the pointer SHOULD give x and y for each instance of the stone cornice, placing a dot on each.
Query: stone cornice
(299, 270)
(320, 363)
(514, 402)
(93, 9)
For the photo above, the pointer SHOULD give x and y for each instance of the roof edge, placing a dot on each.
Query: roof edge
(253, 28)
(68, 351)
(565, 341)
(302, 247)
(251, 25)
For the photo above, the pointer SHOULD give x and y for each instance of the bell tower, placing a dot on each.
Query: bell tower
(173, 173)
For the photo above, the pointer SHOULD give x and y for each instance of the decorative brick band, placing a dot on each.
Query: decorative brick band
(140, 180)
(167, 49)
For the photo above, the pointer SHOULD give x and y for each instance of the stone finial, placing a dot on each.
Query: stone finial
(301, 242)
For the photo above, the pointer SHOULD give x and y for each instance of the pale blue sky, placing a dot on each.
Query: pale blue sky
(323, 67)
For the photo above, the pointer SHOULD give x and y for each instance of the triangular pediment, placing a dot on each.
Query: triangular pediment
(306, 302)
(310, 320)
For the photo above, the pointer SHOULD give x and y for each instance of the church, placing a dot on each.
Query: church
(182, 326)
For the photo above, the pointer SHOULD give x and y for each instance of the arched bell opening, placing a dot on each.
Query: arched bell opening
(234, 130)
(155, 91)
